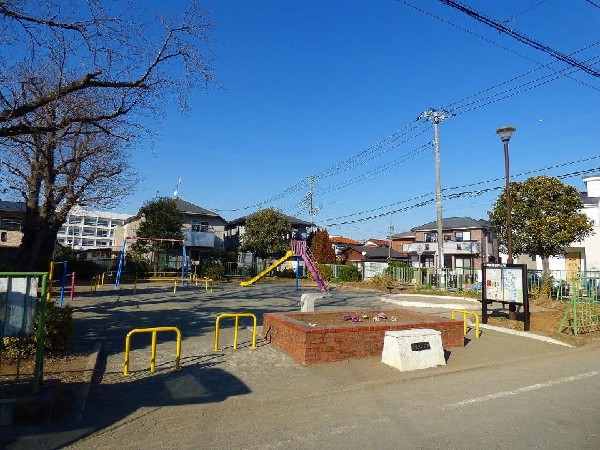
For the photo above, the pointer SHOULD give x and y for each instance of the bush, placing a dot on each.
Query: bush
(325, 271)
(349, 273)
(59, 333)
(285, 273)
(83, 269)
(213, 270)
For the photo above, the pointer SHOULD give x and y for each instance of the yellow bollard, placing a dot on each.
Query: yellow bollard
(153, 349)
(235, 332)
(465, 313)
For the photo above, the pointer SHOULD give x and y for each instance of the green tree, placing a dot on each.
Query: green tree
(266, 233)
(160, 220)
(321, 247)
(545, 218)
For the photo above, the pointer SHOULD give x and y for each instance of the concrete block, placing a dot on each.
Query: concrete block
(413, 349)
(307, 301)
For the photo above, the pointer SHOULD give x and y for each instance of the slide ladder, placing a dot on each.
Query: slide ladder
(300, 248)
(268, 269)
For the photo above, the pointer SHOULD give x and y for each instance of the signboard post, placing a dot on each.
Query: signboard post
(506, 284)
(420, 249)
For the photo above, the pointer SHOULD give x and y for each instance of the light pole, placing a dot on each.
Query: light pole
(505, 134)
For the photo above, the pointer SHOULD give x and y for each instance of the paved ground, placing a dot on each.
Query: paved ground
(262, 399)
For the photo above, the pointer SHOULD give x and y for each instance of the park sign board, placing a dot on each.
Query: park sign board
(506, 284)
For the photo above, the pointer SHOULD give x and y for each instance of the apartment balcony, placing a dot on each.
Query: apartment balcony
(199, 239)
(449, 247)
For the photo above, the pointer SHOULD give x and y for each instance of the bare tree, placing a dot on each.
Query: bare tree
(77, 87)
(56, 170)
(137, 63)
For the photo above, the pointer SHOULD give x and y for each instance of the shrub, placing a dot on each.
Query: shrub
(325, 271)
(59, 333)
(213, 270)
(285, 273)
(349, 273)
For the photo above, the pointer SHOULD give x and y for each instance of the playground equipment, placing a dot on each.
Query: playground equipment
(184, 265)
(583, 313)
(63, 282)
(300, 250)
(235, 333)
(153, 330)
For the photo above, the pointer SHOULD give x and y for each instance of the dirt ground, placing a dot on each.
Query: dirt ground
(69, 369)
(353, 317)
(545, 318)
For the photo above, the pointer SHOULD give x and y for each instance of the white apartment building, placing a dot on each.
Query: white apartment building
(90, 230)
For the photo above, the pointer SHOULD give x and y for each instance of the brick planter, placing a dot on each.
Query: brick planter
(310, 345)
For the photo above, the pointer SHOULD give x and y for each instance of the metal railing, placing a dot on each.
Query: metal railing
(465, 314)
(235, 333)
(24, 303)
(153, 330)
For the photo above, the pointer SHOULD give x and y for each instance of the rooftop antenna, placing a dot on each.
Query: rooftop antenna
(176, 193)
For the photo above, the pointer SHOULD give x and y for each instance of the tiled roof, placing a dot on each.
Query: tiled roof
(190, 208)
(403, 235)
(378, 242)
(342, 240)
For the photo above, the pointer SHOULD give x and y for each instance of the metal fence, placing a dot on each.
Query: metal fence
(21, 293)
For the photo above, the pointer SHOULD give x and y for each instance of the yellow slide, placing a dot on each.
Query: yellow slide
(267, 270)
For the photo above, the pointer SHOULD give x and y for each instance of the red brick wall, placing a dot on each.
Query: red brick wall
(309, 345)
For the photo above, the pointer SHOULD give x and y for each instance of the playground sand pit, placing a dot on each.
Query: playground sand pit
(315, 337)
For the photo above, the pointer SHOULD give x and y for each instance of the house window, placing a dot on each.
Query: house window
(427, 261)
(463, 263)
(199, 226)
(10, 224)
(462, 236)
(4, 236)
(431, 236)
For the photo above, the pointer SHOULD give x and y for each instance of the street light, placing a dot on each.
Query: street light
(505, 134)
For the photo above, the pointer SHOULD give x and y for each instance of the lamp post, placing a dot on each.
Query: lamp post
(505, 134)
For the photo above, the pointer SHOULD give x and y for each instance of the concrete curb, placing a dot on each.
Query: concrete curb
(527, 334)
(84, 389)
(423, 304)
(469, 299)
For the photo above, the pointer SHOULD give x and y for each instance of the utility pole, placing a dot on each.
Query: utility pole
(312, 211)
(437, 117)
(390, 231)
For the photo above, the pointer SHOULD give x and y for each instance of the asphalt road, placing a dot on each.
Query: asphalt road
(500, 391)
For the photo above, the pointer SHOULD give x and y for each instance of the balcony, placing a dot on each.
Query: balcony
(199, 239)
(449, 248)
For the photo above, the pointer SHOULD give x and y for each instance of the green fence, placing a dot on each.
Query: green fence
(20, 295)
(583, 312)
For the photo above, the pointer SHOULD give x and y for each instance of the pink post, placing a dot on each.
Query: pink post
(72, 285)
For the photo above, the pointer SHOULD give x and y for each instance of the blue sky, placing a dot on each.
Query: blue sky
(304, 87)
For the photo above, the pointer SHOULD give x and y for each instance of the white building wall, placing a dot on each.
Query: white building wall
(86, 230)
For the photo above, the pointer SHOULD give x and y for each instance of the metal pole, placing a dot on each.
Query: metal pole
(438, 193)
(508, 205)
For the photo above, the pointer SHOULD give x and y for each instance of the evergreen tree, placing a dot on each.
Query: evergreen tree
(321, 247)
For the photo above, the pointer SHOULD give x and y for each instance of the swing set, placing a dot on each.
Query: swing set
(184, 262)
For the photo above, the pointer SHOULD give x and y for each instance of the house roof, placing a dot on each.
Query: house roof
(378, 242)
(403, 235)
(343, 240)
(12, 207)
(589, 200)
(191, 209)
(375, 252)
(294, 221)
(455, 223)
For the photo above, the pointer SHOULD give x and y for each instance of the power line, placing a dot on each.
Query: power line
(469, 185)
(593, 3)
(521, 37)
(450, 197)
(514, 16)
